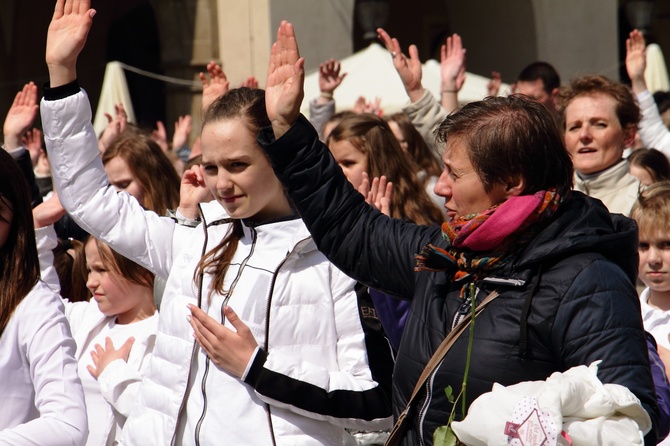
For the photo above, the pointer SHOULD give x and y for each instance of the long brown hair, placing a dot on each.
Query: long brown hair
(249, 105)
(152, 169)
(19, 265)
(371, 135)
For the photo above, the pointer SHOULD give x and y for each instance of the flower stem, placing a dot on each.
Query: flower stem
(473, 307)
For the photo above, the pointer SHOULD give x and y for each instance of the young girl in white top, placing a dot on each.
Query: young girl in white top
(290, 365)
(41, 397)
(115, 331)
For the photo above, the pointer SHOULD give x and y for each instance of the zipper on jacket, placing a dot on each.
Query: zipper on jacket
(266, 344)
(195, 344)
(226, 299)
(504, 281)
(427, 401)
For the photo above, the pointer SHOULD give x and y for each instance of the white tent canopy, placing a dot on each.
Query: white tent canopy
(370, 73)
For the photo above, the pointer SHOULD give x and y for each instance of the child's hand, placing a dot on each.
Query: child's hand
(103, 356)
(193, 191)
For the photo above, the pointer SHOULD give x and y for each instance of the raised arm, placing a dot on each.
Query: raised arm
(66, 38)
(452, 64)
(408, 68)
(374, 249)
(79, 176)
(213, 87)
(653, 132)
(20, 117)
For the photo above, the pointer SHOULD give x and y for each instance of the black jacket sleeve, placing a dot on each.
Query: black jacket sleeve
(367, 245)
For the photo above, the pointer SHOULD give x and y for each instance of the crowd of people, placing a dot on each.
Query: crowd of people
(310, 280)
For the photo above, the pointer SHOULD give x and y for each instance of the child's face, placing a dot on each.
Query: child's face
(115, 295)
(352, 161)
(239, 175)
(654, 268)
(121, 177)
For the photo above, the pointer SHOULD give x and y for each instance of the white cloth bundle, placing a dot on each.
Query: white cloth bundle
(570, 408)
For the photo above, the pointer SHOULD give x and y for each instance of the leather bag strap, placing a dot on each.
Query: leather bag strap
(401, 424)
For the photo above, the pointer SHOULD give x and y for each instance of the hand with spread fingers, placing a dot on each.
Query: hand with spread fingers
(284, 87)
(452, 70)
(215, 86)
(229, 349)
(379, 194)
(103, 356)
(409, 68)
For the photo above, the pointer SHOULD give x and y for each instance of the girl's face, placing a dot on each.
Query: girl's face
(641, 174)
(397, 132)
(6, 217)
(239, 175)
(352, 161)
(121, 177)
(115, 295)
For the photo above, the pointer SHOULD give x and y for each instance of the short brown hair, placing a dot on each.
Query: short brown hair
(508, 137)
(652, 208)
(627, 109)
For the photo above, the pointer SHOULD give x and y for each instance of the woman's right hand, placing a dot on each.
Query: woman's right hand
(66, 38)
(193, 191)
(284, 87)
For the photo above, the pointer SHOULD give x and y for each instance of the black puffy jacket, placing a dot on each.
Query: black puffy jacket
(567, 299)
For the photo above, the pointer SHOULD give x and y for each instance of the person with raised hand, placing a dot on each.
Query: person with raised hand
(322, 108)
(452, 71)
(560, 267)
(290, 364)
(652, 130)
(213, 87)
(424, 110)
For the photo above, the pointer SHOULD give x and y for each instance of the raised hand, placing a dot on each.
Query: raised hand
(636, 60)
(216, 86)
(329, 76)
(103, 356)
(452, 71)
(493, 86)
(230, 350)
(409, 68)
(115, 126)
(192, 191)
(364, 106)
(66, 38)
(452, 64)
(182, 130)
(160, 136)
(379, 195)
(284, 87)
(32, 141)
(48, 212)
(20, 116)
(250, 82)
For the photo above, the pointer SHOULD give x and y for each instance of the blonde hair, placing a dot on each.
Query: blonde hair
(652, 209)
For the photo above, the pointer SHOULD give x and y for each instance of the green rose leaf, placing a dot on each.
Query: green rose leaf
(444, 436)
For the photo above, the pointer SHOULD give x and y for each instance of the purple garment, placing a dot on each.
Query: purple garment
(662, 388)
(392, 313)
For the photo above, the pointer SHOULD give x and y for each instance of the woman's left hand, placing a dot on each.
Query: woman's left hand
(230, 350)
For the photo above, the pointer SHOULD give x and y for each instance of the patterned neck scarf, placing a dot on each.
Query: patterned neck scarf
(482, 242)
